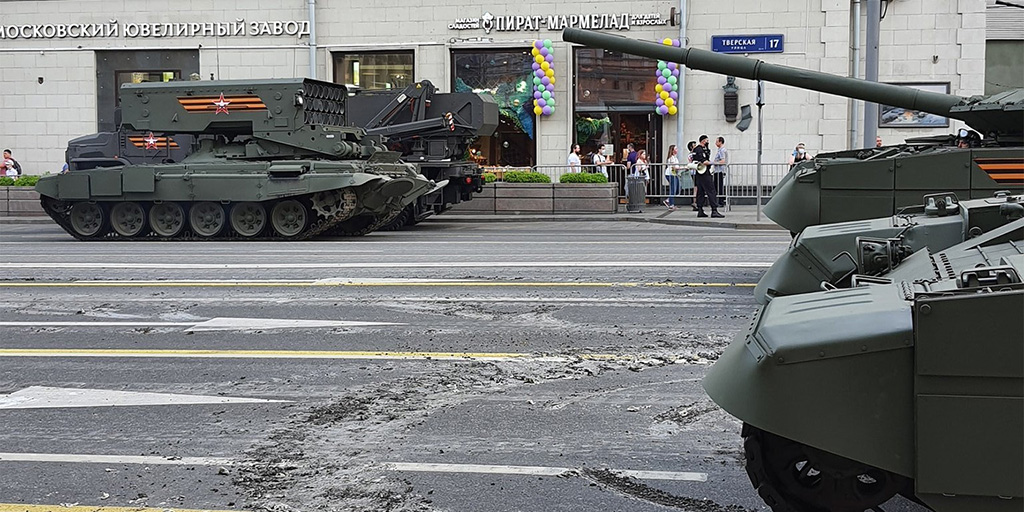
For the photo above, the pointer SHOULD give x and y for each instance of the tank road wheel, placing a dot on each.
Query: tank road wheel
(128, 219)
(794, 477)
(248, 219)
(167, 219)
(338, 204)
(87, 219)
(289, 218)
(207, 219)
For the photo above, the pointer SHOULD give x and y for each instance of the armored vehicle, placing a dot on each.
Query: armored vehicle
(274, 159)
(434, 131)
(829, 255)
(911, 383)
(873, 182)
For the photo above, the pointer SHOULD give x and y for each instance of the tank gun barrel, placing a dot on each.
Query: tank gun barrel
(755, 69)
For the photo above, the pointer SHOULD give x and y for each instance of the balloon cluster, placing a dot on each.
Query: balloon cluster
(543, 78)
(668, 84)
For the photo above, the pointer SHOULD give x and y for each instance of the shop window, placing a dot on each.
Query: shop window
(506, 75)
(605, 78)
(374, 70)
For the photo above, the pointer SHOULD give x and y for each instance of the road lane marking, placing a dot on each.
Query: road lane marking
(539, 471)
(303, 354)
(64, 507)
(115, 459)
(214, 324)
(43, 397)
(447, 264)
(360, 283)
(390, 300)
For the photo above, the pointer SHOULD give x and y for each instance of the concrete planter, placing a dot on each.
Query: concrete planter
(19, 201)
(526, 198)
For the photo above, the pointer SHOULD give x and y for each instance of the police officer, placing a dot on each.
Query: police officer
(705, 179)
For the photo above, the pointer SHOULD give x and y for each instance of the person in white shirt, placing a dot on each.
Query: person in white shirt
(574, 159)
(600, 161)
(672, 169)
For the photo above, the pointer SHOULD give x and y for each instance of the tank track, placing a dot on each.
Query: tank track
(330, 211)
(379, 222)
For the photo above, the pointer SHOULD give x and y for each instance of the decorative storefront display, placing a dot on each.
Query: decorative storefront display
(543, 78)
(668, 84)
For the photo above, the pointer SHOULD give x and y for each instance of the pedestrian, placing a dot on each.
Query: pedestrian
(600, 161)
(798, 155)
(705, 179)
(720, 168)
(672, 169)
(878, 141)
(631, 154)
(693, 171)
(12, 167)
(642, 167)
(574, 158)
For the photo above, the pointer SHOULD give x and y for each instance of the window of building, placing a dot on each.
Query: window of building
(505, 75)
(375, 70)
(613, 79)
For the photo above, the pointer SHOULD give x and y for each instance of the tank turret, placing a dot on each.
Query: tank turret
(271, 159)
(870, 182)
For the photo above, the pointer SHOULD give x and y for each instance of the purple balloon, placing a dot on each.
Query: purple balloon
(671, 65)
(546, 110)
(544, 51)
(540, 73)
(663, 110)
(550, 58)
(536, 95)
(667, 87)
(538, 44)
(545, 80)
(674, 95)
(662, 80)
(541, 102)
(536, 66)
(659, 102)
(675, 72)
(676, 42)
(550, 87)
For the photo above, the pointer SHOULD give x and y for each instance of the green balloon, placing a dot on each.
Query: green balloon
(536, 81)
(666, 72)
(551, 102)
(672, 80)
(547, 42)
(661, 64)
(546, 95)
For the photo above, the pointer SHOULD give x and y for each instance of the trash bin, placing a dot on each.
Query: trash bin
(636, 193)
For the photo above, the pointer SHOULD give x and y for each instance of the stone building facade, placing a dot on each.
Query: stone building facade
(64, 59)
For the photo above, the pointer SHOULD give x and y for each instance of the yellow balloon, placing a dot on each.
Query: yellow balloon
(537, 110)
(539, 58)
(663, 95)
(545, 66)
(535, 52)
(552, 78)
(666, 41)
(550, 72)
(669, 102)
(657, 88)
(672, 110)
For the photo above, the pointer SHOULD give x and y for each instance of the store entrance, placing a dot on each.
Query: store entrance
(616, 130)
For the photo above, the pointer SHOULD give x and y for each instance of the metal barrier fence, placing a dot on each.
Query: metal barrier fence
(740, 182)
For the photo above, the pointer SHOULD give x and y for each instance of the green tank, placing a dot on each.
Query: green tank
(872, 182)
(272, 160)
(911, 382)
(843, 254)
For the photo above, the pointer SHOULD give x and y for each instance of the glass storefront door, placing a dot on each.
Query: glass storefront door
(616, 130)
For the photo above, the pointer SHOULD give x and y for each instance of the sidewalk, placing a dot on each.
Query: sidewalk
(739, 217)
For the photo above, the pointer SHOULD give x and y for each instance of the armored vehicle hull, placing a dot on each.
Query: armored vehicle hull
(272, 159)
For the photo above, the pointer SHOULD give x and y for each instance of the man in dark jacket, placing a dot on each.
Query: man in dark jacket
(704, 179)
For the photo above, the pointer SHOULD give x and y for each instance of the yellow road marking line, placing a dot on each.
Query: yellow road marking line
(25, 507)
(293, 284)
(299, 354)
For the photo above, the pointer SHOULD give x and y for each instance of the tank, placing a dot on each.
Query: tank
(911, 382)
(872, 182)
(832, 255)
(270, 160)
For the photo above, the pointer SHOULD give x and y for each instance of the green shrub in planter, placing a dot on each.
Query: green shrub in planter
(489, 177)
(526, 177)
(583, 177)
(20, 181)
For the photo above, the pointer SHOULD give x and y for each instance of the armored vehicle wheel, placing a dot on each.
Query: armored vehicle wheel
(794, 477)
(128, 219)
(289, 218)
(207, 219)
(87, 219)
(405, 218)
(248, 219)
(167, 219)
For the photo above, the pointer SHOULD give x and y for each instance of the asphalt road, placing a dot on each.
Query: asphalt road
(478, 367)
